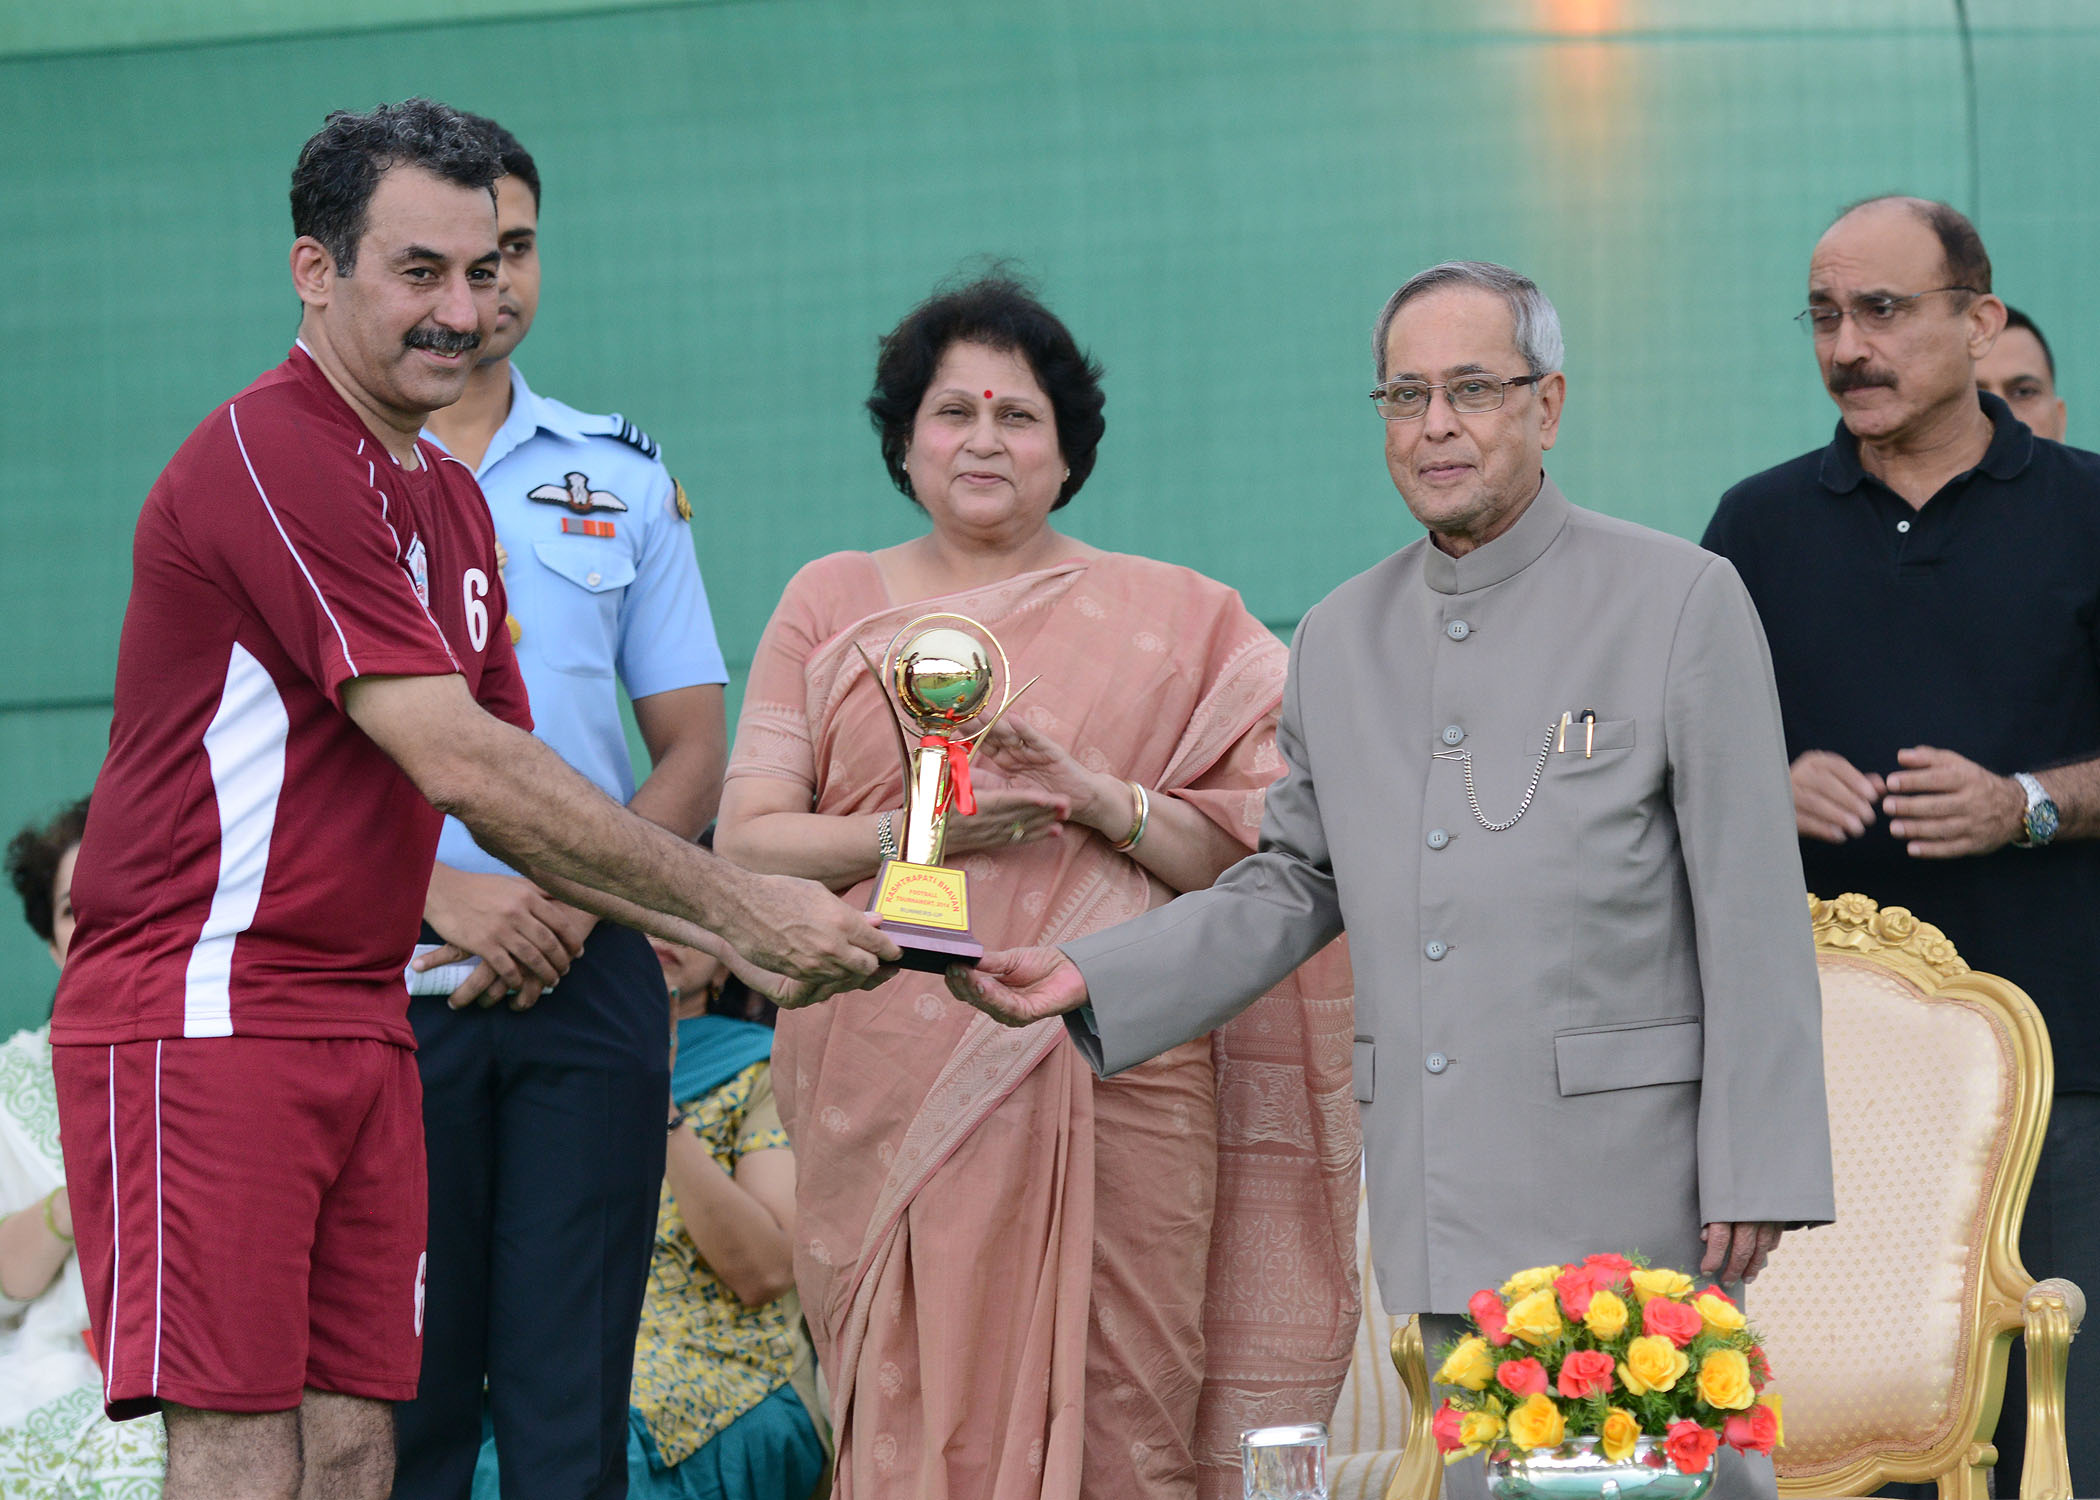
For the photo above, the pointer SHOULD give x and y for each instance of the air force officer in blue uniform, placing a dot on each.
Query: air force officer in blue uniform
(544, 1103)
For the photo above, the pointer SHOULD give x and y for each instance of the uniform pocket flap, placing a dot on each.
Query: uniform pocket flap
(586, 562)
(1610, 734)
(1594, 1060)
(1585, 742)
(1362, 1075)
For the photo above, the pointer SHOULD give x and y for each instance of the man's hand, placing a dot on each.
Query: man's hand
(797, 930)
(788, 994)
(1737, 1252)
(1020, 986)
(1833, 799)
(1944, 805)
(525, 939)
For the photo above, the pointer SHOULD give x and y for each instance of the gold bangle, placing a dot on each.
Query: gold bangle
(51, 1220)
(1141, 808)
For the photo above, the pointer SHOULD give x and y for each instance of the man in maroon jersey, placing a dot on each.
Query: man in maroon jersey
(313, 656)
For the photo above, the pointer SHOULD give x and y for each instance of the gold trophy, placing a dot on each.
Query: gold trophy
(938, 672)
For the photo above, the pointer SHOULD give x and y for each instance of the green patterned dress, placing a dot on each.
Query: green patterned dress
(55, 1443)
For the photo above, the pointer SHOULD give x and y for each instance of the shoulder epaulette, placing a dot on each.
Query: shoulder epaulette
(633, 436)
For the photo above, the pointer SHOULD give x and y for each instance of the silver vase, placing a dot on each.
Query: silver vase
(1577, 1471)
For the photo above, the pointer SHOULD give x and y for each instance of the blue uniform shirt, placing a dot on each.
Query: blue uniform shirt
(602, 582)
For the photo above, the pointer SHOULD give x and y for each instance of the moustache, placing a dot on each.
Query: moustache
(442, 340)
(1858, 378)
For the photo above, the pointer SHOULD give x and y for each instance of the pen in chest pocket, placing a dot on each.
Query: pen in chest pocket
(1588, 719)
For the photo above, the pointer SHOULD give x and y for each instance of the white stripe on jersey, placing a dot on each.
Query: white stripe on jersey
(233, 415)
(160, 1225)
(116, 1235)
(245, 744)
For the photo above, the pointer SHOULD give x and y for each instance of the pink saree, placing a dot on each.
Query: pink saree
(1025, 1283)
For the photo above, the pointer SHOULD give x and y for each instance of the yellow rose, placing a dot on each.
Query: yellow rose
(1469, 1365)
(1529, 1281)
(1607, 1315)
(1771, 1399)
(1477, 1430)
(1719, 1315)
(1724, 1380)
(1660, 1282)
(1535, 1318)
(1536, 1424)
(1652, 1363)
(1618, 1433)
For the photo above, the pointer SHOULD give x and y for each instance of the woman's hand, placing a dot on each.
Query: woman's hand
(1096, 800)
(1006, 816)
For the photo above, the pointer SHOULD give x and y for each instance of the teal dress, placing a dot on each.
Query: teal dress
(712, 1415)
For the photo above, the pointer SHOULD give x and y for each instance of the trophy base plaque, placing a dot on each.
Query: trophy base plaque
(925, 910)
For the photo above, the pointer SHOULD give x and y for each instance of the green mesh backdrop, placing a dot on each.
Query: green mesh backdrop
(1217, 196)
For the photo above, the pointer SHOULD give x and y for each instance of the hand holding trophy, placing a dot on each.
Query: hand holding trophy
(938, 673)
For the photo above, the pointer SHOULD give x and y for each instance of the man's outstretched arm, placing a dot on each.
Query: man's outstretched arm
(521, 801)
(1195, 963)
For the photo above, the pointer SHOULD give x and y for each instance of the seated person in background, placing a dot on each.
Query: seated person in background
(54, 1439)
(724, 1399)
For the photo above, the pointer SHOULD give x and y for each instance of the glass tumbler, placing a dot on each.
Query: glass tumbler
(1284, 1463)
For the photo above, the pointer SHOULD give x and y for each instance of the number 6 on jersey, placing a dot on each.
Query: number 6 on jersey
(475, 584)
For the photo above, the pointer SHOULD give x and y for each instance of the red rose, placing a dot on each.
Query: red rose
(1713, 1291)
(1690, 1446)
(1522, 1377)
(1615, 1265)
(1752, 1431)
(1760, 1371)
(1490, 1317)
(1576, 1286)
(1673, 1320)
(1586, 1372)
(1445, 1428)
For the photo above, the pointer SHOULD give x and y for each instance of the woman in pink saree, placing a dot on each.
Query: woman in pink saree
(1025, 1283)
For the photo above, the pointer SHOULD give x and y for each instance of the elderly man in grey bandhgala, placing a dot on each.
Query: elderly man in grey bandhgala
(1534, 767)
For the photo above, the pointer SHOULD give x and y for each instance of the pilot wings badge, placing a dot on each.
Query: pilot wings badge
(576, 493)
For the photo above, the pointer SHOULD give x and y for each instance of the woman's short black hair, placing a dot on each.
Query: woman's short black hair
(1000, 311)
(32, 863)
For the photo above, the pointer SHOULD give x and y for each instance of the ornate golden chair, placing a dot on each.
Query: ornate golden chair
(1888, 1330)
(1379, 1414)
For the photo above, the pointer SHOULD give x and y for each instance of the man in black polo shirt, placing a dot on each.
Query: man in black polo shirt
(1930, 588)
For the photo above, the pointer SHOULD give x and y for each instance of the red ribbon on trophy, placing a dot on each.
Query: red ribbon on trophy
(959, 794)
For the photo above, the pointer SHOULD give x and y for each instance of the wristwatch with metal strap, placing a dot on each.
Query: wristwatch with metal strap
(2039, 826)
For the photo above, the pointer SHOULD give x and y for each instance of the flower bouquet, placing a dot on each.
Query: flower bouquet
(1607, 1369)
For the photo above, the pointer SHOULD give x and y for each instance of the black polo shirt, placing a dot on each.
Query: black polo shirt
(1971, 624)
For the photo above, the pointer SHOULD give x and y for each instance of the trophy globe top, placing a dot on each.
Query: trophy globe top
(943, 677)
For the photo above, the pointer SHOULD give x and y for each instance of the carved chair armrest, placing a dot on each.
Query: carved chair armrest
(1420, 1473)
(2052, 1310)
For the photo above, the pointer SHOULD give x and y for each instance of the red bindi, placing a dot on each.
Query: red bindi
(987, 395)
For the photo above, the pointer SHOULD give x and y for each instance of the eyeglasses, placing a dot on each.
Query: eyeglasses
(1404, 400)
(1870, 314)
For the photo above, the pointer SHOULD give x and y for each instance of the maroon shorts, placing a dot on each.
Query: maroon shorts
(250, 1215)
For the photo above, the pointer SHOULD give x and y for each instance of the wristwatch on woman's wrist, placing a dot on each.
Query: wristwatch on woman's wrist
(2039, 825)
